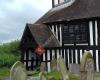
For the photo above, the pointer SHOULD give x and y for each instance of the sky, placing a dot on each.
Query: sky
(14, 14)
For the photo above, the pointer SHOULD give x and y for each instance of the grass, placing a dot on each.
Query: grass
(4, 72)
(74, 77)
(97, 74)
(9, 54)
(55, 74)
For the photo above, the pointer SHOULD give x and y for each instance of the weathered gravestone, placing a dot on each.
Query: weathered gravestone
(43, 73)
(87, 67)
(18, 72)
(53, 64)
(42, 67)
(62, 68)
(74, 68)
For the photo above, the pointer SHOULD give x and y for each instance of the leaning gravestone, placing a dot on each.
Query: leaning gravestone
(53, 64)
(18, 72)
(62, 69)
(87, 67)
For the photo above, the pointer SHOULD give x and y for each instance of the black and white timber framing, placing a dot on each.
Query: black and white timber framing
(72, 53)
(75, 36)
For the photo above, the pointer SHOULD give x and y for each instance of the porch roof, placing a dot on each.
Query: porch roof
(79, 9)
(43, 35)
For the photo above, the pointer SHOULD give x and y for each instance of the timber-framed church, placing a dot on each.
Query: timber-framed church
(69, 29)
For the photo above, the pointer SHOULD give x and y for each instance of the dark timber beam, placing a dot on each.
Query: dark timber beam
(94, 43)
(53, 4)
(58, 1)
(98, 24)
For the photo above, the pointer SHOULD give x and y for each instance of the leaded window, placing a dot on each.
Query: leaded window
(57, 2)
(75, 33)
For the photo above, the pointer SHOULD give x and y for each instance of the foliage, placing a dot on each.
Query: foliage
(9, 53)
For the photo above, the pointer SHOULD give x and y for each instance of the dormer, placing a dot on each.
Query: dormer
(56, 3)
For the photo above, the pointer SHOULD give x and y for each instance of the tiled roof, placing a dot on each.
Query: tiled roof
(78, 10)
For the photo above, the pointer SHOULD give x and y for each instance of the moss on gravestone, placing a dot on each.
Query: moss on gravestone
(87, 55)
(62, 68)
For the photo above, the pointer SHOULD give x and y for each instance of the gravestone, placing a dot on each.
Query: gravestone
(62, 68)
(43, 75)
(18, 72)
(53, 64)
(87, 67)
(42, 67)
(74, 68)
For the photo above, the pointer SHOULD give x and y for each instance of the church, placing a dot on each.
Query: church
(69, 29)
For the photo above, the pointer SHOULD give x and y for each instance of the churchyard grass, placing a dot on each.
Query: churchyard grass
(97, 74)
(9, 54)
(74, 77)
(55, 74)
(4, 72)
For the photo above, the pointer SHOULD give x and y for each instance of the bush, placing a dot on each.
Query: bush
(9, 53)
(7, 60)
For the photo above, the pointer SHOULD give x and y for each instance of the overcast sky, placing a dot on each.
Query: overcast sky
(14, 14)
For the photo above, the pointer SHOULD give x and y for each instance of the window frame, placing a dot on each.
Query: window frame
(84, 40)
(59, 2)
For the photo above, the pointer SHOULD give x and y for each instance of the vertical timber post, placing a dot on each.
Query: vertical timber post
(27, 58)
(22, 56)
(98, 29)
(53, 3)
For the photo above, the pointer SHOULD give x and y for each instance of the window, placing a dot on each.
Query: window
(75, 33)
(56, 2)
(61, 1)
